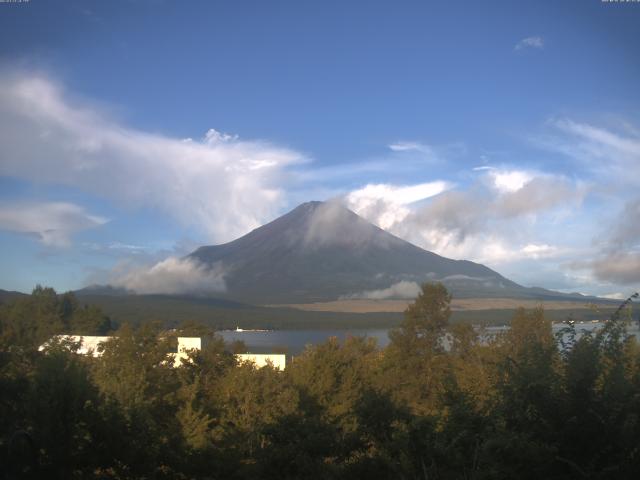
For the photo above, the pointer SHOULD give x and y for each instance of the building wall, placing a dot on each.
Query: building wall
(278, 360)
(90, 345)
(186, 345)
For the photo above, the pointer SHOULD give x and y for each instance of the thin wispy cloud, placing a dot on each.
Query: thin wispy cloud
(534, 42)
(483, 167)
(433, 153)
(410, 147)
(400, 160)
(609, 153)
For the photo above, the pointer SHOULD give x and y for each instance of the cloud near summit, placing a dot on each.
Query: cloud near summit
(222, 185)
(472, 222)
(171, 276)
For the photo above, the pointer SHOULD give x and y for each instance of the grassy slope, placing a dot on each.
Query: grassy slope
(224, 315)
(171, 311)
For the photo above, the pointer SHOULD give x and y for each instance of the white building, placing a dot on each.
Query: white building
(185, 346)
(277, 360)
(92, 345)
(88, 345)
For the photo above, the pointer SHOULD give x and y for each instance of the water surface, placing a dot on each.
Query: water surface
(294, 341)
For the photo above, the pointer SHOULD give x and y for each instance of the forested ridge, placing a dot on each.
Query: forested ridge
(524, 404)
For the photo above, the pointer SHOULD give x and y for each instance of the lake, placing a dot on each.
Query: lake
(294, 341)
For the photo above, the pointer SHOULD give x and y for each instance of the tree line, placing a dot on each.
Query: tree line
(439, 402)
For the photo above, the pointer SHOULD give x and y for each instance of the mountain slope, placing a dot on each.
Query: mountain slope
(8, 295)
(322, 251)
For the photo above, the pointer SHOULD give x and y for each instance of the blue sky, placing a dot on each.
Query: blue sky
(503, 132)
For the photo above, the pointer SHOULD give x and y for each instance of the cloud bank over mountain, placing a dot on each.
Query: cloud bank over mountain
(172, 276)
(469, 223)
(403, 289)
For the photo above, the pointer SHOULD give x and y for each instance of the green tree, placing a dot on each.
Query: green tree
(253, 398)
(528, 408)
(89, 320)
(62, 412)
(139, 389)
(425, 322)
(335, 377)
(30, 321)
(415, 362)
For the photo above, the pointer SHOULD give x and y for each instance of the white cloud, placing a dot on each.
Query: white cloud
(402, 195)
(500, 219)
(213, 136)
(483, 168)
(403, 289)
(385, 204)
(530, 42)
(411, 146)
(53, 223)
(539, 251)
(444, 221)
(171, 276)
(511, 180)
(221, 185)
(493, 250)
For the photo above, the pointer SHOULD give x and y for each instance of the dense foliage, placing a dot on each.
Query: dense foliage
(439, 402)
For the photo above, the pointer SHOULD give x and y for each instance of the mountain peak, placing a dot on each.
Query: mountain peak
(322, 251)
(310, 205)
